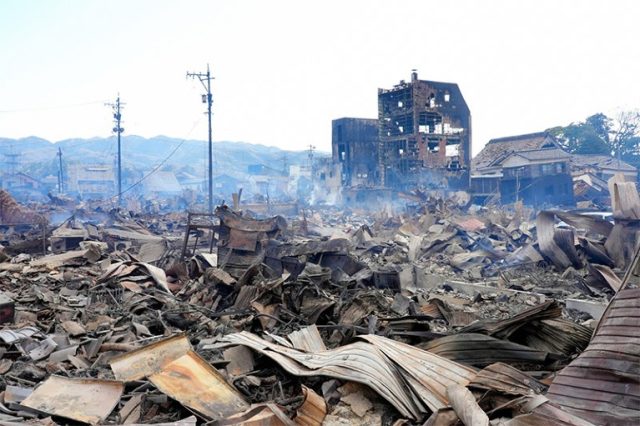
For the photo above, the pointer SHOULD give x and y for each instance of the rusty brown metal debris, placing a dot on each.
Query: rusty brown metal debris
(370, 319)
(603, 384)
(174, 368)
(83, 400)
(11, 213)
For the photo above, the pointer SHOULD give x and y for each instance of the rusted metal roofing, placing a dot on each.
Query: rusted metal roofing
(386, 366)
(504, 328)
(507, 379)
(481, 350)
(602, 385)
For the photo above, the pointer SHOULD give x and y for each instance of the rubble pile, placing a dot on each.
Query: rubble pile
(443, 315)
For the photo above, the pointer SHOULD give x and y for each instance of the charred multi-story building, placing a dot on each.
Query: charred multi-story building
(424, 136)
(354, 146)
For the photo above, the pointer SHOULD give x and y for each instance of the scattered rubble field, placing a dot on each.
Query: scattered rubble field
(443, 314)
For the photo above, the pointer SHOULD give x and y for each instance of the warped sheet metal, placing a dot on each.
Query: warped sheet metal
(464, 404)
(507, 379)
(383, 364)
(588, 223)
(505, 328)
(554, 335)
(525, 254)
(622, 242)
(595, 253)
(234, 221)
(605, 274)
(557, 244)
(195, 383)
(624, 198)
(313, 410)
(176, 370)
(428, 374)
(602, 385)
(537, 410)
(83, 400)
(123, 269)
(359, 362)
(307, 339)
(150, 359)
(481, 350)
(621, 239)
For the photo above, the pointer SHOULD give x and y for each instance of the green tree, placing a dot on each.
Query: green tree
(601, 125)
(599, 134)
(580, 138)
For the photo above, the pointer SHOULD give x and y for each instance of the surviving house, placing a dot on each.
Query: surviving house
(424, 130)
(537, 177)
(354, 146)
(532, 168)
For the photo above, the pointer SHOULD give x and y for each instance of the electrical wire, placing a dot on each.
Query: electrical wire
(155, 169)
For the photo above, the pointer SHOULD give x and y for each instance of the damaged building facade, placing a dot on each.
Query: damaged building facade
(425, 135)
(354, 144)
(422, 138)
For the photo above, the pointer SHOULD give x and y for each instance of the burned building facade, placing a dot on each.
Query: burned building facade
(424, 136)
(354, 145)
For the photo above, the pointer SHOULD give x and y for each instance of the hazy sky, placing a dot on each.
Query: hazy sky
(285, 69)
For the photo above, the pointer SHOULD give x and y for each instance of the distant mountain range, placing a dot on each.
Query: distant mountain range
(37, 156)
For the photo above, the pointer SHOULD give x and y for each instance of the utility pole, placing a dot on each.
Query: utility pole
(117, 107)
(310, 154)
(60, 176)
(205, 79)
(311, 150)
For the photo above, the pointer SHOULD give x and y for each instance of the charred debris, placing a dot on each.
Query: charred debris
(446, 314)
(413, 286)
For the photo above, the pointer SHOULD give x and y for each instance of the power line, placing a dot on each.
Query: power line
(155, 169)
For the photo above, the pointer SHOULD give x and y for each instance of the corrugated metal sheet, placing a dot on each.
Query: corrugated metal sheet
(480, 350)
(504, 328)
(386, 366)
(359, 362)
(602, 385)
(507, 379)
